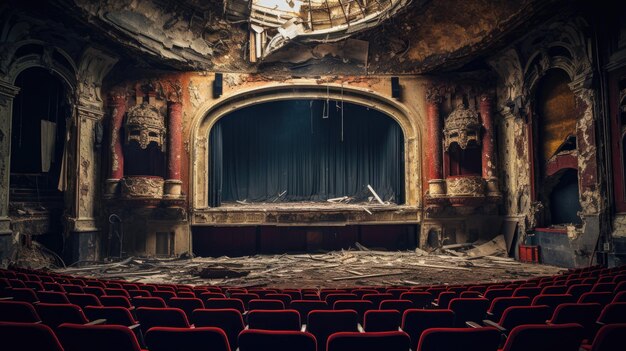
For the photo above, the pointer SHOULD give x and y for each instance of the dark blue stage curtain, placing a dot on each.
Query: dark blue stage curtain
(289, 148)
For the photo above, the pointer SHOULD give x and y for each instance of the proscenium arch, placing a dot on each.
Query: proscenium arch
(210, 112)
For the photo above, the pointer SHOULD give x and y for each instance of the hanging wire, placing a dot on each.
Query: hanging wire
(342, 112)
(326, 110)
(311, 112)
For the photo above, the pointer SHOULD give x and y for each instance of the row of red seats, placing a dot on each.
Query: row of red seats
(414, 321)
(476, 293)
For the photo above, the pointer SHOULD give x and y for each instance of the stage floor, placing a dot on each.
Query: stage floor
(333, 269)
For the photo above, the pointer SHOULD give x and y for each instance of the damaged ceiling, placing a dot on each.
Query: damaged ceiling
(304, 37)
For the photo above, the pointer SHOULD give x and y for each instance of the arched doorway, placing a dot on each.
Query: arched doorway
(38, 137)
(305, 150)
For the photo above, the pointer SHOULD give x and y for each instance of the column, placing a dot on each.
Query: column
(434, 147)
(7, 93)
(488, 146)
(118, 107)
(173, 183)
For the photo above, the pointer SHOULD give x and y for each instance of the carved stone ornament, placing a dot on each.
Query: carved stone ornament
(142, 187)
(462, 127)
(145, 124)
(465, 186)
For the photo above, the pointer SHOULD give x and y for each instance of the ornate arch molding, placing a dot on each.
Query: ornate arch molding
(209, 113)
(568, 43)
(12, 66)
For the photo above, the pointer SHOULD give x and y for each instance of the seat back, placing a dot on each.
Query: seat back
(83, 300)
(603, 298)
(611, 337)
(305, 306)
(552, 300)
(261, 304)
(225, 303)
(499, 304)
(360, 306)
(382, 320)
(167, 339)
(22, 294)
(543, 337)
(577, 290)
(151, 301)
(28, 336)
(369, 341)
(18, 311)
(52, 297)
(187, 304)
(398, 305)
(493, 293)
(377, 298)
(229, 320)
(528, 291)
(76, 337)
(415, 321)
(274, 320)
(324, 323)
(245, 298)
(54, 315)
(285, 298)
(332, 298)
(443, 301)
(613, 313)
(466, 339)
(468, 309)
(161, 317)
(116, 300)
(519, 315)
(114, 315)
(272, 340)
(420, 299)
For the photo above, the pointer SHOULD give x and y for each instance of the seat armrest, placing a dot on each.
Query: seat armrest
(134, 326)
(434, 304)
(6, 298)
(97, 322)
(473, 324)
(303, 328)
(489, 323)
(490, 314)
(360, 328)
(131, 308)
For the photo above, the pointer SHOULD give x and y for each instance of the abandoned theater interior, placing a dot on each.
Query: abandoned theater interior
(319, 175)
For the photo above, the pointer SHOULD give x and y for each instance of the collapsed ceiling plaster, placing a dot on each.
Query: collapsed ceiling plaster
(313, 37)
(274, 23)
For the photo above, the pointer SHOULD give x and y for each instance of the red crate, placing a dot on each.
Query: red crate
(529, 253)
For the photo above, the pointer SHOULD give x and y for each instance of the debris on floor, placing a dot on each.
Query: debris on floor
(346, 268)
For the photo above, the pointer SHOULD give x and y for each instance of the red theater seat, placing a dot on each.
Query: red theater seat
(76, 337)
(541, 337)
(229, 320)
(261, 304)
(161, 317)
(415, 321)
(268, 340)
(324, 323)
(382, 320)
(611, 337)
(27, 337)
(369, 341)
(174, 339)
(18, 311)
(466, 339)
(305, 306)
(187, 304)
(274, 320)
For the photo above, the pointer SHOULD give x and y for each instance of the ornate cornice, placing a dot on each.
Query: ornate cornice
(8, 90)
